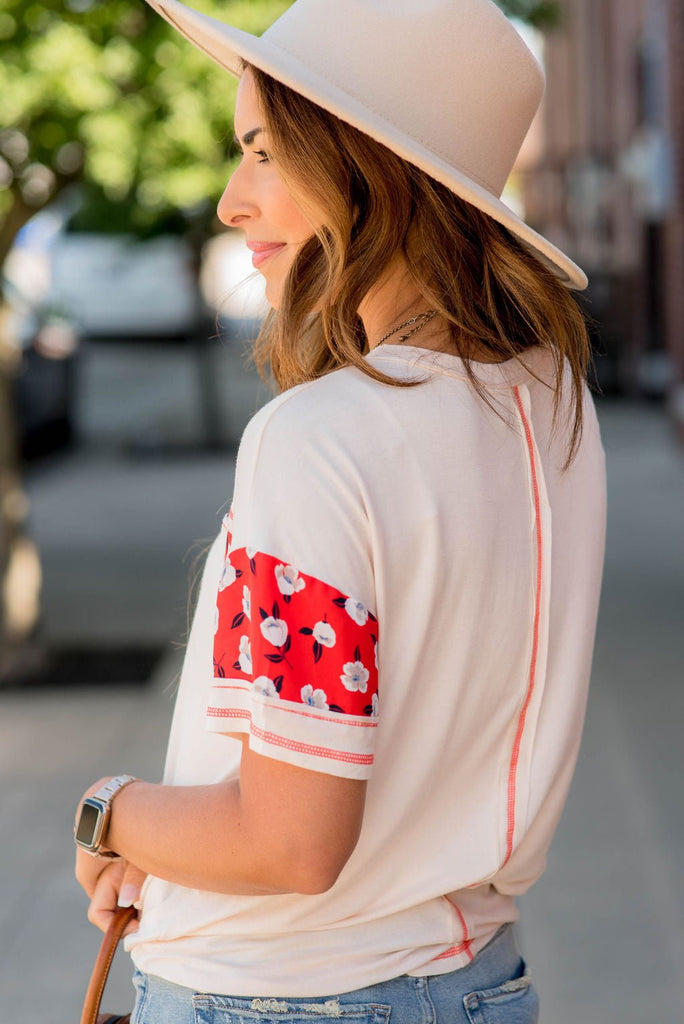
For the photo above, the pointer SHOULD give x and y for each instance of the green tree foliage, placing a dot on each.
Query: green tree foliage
(105, 92)
(540, 14)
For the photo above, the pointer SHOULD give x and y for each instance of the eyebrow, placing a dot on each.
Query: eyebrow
(248, 138)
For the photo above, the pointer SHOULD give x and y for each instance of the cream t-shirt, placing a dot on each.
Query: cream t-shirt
(405, 590)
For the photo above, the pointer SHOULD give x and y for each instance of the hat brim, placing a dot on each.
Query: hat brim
(229, 47)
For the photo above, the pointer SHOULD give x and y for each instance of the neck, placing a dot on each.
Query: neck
(393, 300)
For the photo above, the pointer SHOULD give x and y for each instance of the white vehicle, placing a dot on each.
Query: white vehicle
(118, 287)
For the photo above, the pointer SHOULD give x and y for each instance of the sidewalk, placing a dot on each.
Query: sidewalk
(121, 519)
(52, 745)
(118, 539)
(603, 929)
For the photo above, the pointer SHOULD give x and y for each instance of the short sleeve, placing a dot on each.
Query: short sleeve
(295, 634)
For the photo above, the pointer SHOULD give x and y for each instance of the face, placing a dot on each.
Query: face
(257, 201)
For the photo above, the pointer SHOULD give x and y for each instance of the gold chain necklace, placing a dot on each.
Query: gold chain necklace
(420, 320)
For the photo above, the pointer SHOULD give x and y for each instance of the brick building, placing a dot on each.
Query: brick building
(604, 179)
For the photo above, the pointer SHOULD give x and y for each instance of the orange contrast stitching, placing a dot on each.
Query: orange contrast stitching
(464, 946)
(282, 741)
(512, 775)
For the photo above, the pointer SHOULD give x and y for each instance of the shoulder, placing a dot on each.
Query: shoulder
(334, 411)
(300, 484)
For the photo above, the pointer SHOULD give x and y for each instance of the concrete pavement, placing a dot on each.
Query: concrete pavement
(604, 928)
(605, 924)
(52, 745)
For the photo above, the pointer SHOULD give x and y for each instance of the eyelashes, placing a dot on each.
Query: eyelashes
(261, 153)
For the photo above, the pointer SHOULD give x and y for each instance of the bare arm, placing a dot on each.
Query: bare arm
(279, 829)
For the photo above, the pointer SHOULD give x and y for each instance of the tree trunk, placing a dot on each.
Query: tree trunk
(19, 563)
(12, 514)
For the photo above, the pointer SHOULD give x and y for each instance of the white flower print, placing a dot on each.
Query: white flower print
(216, 619)
(374, 705)
(324, 634)
(265, 686)
(247, 601)
(357, 611)
(245, 657)
(288, 579)
(228, 575)
(316, 698)
(355, 676)
(274, 630)
(375, 653)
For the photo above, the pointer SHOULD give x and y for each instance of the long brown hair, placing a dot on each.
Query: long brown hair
(486, 286)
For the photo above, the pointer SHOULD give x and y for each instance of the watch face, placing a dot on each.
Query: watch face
(87, 828)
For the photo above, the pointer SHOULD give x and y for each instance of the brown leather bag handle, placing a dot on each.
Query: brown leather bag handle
(98, 978)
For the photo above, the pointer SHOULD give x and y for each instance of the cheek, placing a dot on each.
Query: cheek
(290, 216)
(301, 224)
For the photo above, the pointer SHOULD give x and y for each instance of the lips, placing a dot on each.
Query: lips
(262, 251)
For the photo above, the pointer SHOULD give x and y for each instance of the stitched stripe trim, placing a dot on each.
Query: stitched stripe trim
(467, 942)
(464, 947)
(512, 774)
(288, 744)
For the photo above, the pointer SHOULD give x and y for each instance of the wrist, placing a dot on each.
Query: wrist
(92, 824)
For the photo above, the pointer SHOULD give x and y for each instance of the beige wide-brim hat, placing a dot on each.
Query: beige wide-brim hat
(449, 85)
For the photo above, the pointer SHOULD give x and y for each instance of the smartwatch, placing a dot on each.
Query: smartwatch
(91, 827)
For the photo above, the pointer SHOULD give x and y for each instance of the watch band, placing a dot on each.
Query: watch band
(112, 787)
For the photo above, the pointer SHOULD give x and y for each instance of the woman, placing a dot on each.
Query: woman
(401, 604)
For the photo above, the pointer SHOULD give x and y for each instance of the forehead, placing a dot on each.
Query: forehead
(247, 109)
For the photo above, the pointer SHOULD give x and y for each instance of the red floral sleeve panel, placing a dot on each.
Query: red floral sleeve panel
(295, 665)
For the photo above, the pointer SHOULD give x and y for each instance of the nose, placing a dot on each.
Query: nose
(234, 207)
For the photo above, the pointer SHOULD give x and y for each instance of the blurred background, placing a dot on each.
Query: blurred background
(126, 314)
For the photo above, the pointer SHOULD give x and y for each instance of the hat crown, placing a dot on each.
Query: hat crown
(447, 84)
(453, 76)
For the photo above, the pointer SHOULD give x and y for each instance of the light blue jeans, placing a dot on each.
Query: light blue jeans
(494, 989)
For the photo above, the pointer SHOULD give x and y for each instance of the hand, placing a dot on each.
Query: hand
(107, 882)
(118, 884)
(88, 867)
